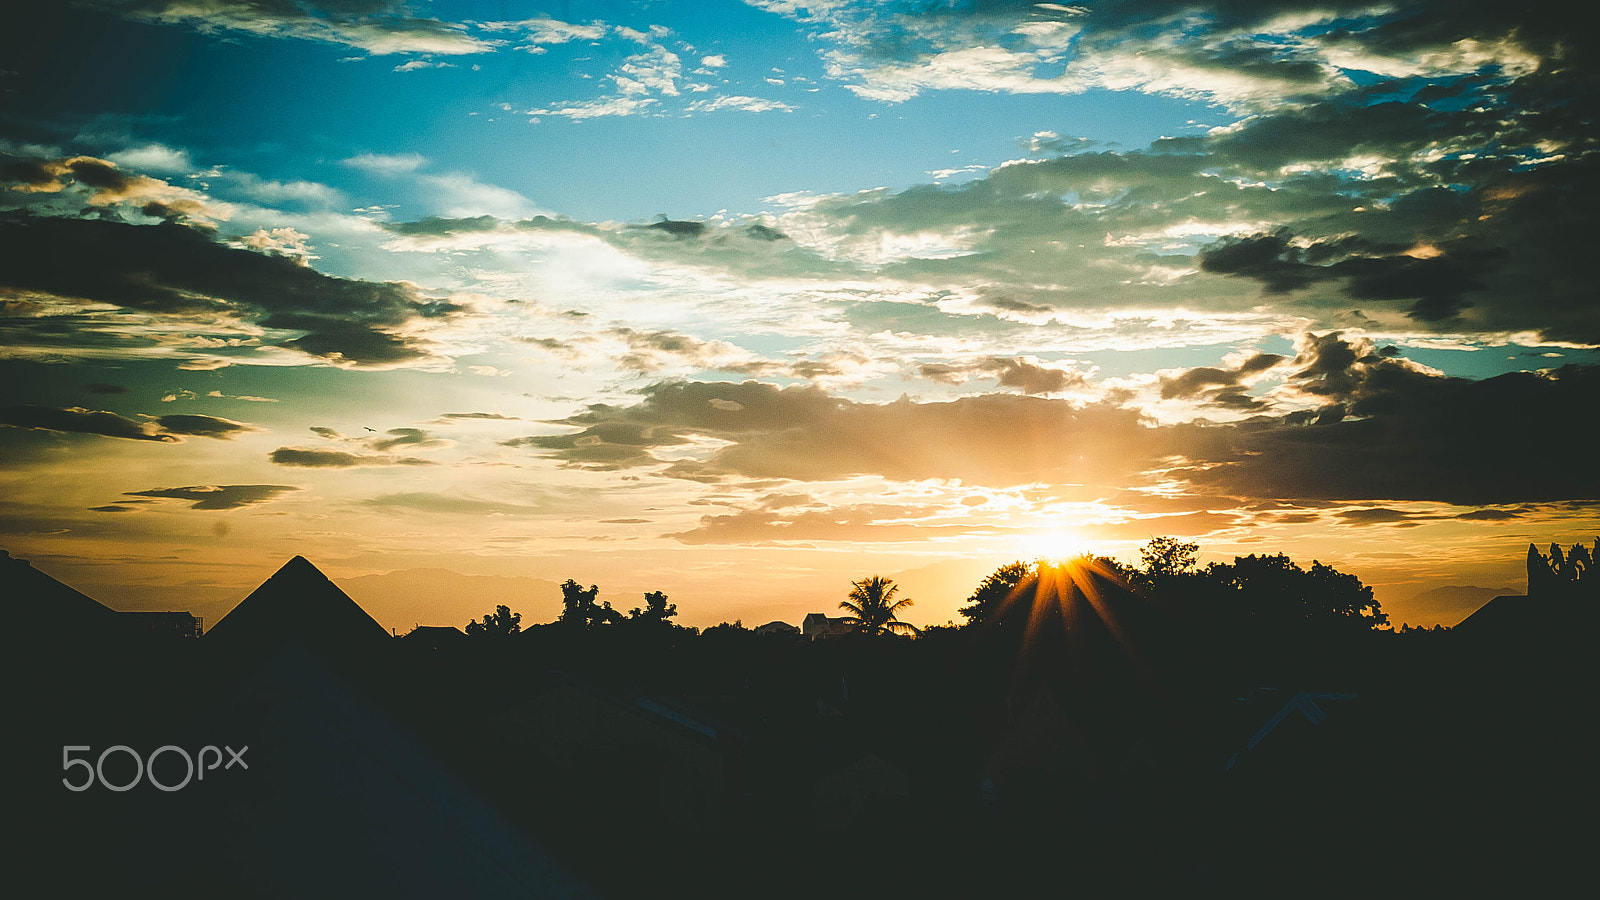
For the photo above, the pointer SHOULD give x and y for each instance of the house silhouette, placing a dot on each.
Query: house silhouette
(298, 604)
(41, 607)
(43, 610)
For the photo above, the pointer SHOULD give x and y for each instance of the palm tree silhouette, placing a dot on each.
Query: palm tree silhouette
(872, 606)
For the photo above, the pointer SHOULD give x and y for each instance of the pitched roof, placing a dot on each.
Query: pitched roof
(298, 603)
(40, 605)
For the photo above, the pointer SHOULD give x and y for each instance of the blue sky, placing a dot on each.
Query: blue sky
(652, 295)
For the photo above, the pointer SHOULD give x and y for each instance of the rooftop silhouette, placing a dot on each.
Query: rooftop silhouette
(298, 604)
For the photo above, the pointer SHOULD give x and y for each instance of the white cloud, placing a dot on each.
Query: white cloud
(739, 102)
(154, 158)
(544, 31)
(387, 164)
(417, 64)
(595, 109)
(377, 34)
(460, 195)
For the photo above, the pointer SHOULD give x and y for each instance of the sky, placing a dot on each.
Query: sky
(746, 301)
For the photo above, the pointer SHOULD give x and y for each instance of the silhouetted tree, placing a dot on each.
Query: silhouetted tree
(994, 592)
(1273, 593)
(656, 610)
(873, 609)
(1168, 556)
(504, 622)
(578, 607)
(726, 630)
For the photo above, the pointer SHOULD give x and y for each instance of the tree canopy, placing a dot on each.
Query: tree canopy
(502, 623)
(656, 611)
(578, 606)
(873, 609)
(994, 592)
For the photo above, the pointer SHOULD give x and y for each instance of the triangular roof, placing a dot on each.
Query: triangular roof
(39, 605)
(298, 603)
(1511, 613)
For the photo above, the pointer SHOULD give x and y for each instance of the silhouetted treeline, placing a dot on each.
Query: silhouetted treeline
(1090, 727)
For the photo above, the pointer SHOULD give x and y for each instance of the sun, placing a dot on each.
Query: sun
(1053, 544)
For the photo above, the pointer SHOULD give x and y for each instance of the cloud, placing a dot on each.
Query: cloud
(543, 31)
(154, 158)
(100, 184)
(460, 195)
(1438, 284)
(175, 271)
(805, 434)
(1387, 430)
(378, 27)
(1377, 515)
(389, 165)
(1222, 387)
(310, 458)
(417, 64)
(1025, 373)
(204, 426)
(1245, 55)
(220, 496)
(597, 109)
(77, 420)
(450, 504)
(652, 351)
(450, 418)
(1489, 515)
(405, 437)
(739, 102)
(1396, 432)
(103, 388)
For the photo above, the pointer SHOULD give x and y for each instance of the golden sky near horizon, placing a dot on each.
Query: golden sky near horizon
(744, 301)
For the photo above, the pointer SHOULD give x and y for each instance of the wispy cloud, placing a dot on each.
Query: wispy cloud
(380, 28)
(220, 496)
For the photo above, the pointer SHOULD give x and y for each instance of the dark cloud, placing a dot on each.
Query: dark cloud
(405, 437)
(457, 417)
(1220, 387)
(679, 229)
(1376, 515)
(102, 388)
(1405, 434)
(220, 496)
(1489, 515)
(1437, 285)
(309, 458)
(804, 433)
(76, 420)
(1031, 378)
(204, 426)
(1388, 431)
(1027, 375)
(376, 26)
(175, 270)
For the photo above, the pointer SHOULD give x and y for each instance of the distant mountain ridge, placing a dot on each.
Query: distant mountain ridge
(1447, 605)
